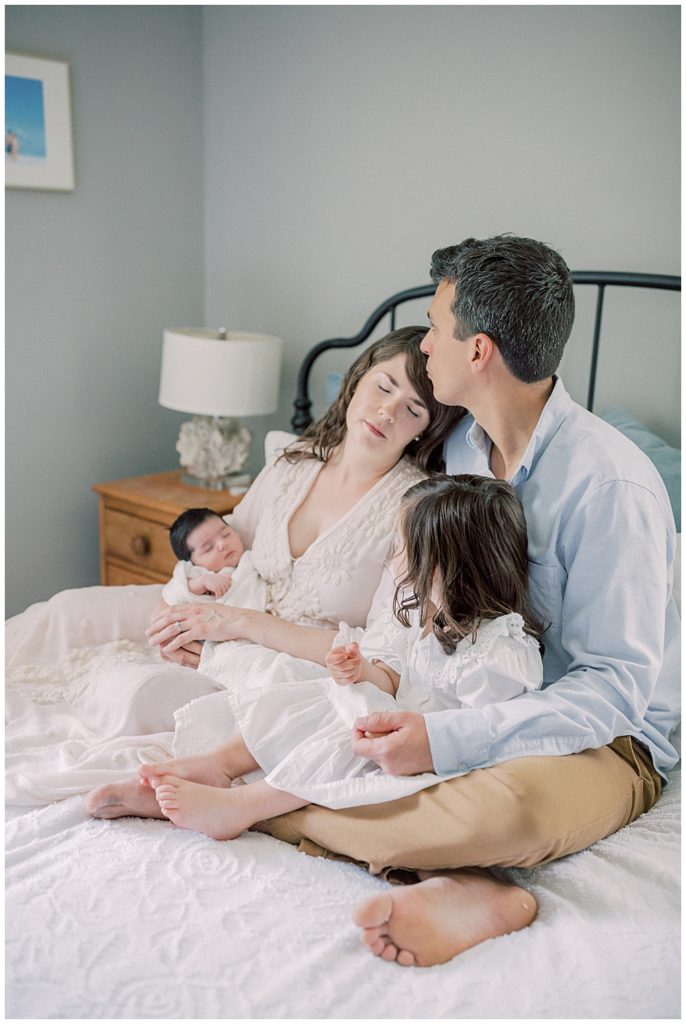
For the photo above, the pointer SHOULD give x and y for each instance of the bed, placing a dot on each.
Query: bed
(137, 919)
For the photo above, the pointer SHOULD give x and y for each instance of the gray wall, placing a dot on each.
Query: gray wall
(345, 144)
(332, 150)
(93, 277)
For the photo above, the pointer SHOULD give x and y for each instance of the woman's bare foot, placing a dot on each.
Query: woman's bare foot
(123, 799)
(219, 813)
(208, 769)
(431, 922)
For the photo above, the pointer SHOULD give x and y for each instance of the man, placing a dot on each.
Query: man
(552, 771)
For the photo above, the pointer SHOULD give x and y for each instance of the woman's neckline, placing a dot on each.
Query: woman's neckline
(338, 522)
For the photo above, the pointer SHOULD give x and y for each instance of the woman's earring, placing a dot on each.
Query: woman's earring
(418, 437)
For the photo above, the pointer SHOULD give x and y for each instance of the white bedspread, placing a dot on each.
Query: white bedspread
(138, 919)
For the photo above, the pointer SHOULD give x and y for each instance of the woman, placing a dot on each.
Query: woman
(319, 520)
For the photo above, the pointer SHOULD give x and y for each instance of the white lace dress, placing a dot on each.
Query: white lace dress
(79, 716)
(300, 731)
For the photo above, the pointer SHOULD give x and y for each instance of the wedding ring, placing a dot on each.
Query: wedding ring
(179, 627)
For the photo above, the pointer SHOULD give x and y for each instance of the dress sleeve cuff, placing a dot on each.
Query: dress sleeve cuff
(459, 740)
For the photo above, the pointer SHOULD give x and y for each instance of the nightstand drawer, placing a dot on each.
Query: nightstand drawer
(118, 575)
(135, 516)
(138, 541)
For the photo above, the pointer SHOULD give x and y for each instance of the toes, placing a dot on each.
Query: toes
(377, 946)
(406, 958)
(389, 952)
(374, 912)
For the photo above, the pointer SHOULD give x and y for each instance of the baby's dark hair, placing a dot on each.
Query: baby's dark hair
(470, 532)
(183, 526)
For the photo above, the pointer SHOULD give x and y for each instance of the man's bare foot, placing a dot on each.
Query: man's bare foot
(431, 922)
(219, 813)
(207, 769)
(123, 799)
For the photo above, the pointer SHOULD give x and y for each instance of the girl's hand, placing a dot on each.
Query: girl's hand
(178, 626)
(345, 664)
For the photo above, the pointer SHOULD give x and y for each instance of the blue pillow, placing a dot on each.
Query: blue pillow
(665, 458)
(333, 387)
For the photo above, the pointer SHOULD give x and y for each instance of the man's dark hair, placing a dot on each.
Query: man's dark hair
(183, 526)
(517, 291)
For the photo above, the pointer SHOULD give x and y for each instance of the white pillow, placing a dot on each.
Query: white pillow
(275, 441)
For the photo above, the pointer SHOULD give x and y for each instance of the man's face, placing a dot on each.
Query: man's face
(448, 362)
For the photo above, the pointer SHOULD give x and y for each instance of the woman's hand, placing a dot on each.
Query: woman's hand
(188, 656)
(182, 625)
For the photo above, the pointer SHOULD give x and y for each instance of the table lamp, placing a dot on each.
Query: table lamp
(218, 376)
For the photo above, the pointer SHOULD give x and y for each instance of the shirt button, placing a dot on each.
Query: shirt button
(462, 767)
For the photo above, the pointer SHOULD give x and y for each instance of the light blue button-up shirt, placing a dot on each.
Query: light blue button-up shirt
(601, 551)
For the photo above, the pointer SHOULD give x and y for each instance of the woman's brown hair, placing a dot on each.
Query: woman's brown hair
(323, 437)
(469, 533)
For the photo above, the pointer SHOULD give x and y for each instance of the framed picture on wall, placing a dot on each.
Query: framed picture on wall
(38, 133)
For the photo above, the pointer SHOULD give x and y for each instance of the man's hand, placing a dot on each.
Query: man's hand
(396, 740)
(345, 664)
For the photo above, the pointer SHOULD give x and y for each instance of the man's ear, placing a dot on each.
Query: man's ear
(483, 349)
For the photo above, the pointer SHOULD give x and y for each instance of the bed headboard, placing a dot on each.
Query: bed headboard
(601, 279)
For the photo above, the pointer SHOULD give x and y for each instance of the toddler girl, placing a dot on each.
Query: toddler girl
(461, 633)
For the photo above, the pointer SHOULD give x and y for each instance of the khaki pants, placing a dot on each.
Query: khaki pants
(517, 814)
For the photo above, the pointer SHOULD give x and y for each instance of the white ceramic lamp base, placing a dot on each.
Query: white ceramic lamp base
(213, 451)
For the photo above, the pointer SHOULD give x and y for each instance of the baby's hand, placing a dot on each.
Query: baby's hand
(345, 664)
(216, 584)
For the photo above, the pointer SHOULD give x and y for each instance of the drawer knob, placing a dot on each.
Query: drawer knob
(140, 545)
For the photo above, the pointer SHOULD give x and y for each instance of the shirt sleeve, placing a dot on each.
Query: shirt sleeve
(618, 557)
(385, 638)
(246, 515)
(511, 668)
(176, 590)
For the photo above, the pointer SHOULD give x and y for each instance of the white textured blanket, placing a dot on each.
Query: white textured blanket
(138, 919)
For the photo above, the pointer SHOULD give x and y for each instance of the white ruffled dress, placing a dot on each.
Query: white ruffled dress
(300, 730)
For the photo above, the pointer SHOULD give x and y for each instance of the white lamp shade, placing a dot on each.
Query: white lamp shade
(205, 374)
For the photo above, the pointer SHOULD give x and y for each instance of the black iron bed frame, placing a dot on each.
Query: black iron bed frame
(601, 279)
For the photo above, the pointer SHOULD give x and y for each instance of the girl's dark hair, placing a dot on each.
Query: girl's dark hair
(470, 532)
(183, 526)
(321, 438)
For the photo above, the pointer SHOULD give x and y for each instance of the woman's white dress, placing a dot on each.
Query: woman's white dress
(88, 699)
(300, 730)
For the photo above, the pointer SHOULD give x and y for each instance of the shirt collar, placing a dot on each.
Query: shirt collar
(554, 413)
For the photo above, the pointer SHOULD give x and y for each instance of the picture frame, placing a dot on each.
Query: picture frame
(38, 124)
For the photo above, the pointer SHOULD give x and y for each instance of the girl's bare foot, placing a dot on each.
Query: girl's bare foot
(219, 813)
(208, 769)
(123, 799)
(431, 922)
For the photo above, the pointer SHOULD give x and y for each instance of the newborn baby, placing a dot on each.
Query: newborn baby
(213, 563)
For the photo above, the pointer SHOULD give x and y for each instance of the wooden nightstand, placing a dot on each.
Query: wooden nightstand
(135, 516)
